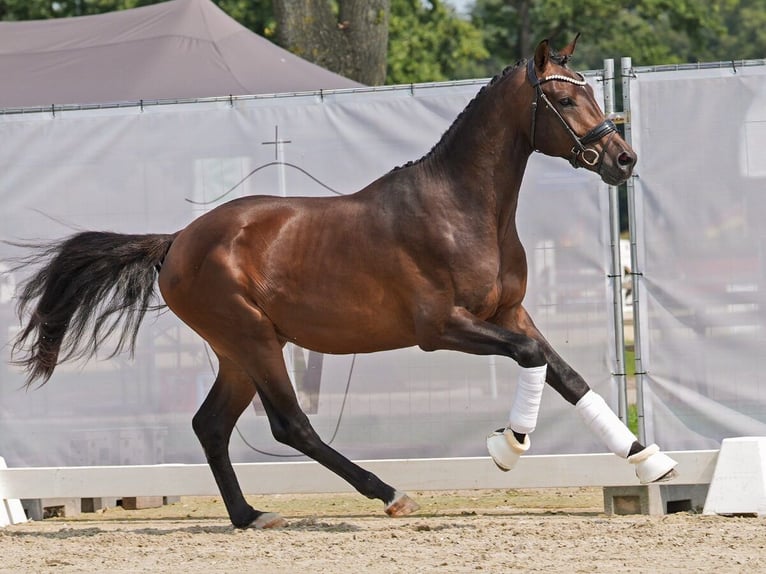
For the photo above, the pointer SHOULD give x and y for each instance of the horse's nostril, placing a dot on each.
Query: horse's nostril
(625, 159)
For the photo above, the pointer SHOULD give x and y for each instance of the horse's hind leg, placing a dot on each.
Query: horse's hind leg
(232, 391)
(291, 426)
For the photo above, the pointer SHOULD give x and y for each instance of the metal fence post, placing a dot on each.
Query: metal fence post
(635, 270)
(615, 271)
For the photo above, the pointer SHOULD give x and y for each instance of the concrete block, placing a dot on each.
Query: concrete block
(654, 499)
(141, 502)
(738, 486)
(97, 504)
(637, 499)
(41, 508)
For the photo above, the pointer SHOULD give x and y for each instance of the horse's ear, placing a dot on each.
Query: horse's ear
(542, 53)
(567, 52)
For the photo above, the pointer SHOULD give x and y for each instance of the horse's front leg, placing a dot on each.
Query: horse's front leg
(513, 334)
(506, 445)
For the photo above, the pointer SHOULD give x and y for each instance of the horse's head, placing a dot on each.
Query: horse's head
(567, 122)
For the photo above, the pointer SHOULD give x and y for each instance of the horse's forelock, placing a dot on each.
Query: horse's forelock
(560, 59)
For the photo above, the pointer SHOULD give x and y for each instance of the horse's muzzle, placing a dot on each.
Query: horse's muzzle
(617, 166)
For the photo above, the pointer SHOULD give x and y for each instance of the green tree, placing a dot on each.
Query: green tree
(744, 35)
(650, 31)
(26, 10)
(428, 41)
(257, 15)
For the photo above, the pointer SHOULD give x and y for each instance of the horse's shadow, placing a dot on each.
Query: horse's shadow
(83, 530)
(419, 523)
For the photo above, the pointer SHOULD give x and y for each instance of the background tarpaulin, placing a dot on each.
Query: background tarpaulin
(154, 170)
(172, 50)
(701, 204)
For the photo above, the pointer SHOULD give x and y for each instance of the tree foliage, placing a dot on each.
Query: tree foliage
(651, 32)
(428, 41)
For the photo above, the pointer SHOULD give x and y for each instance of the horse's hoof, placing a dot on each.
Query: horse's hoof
(269, 520)
(401, 505)
(504, 449)
(672, 474)
(653, 465)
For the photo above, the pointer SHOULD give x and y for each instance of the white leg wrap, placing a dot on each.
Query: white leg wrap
(526, 403)
(605, 424)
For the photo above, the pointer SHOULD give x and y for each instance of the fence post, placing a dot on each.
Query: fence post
(615, 271)
(635, 269)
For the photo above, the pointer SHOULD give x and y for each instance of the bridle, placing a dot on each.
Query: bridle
(580, 152)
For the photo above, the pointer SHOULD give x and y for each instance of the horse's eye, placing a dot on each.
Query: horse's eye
(566, 102)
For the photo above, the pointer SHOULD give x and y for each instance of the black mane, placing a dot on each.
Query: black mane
(458, 120)
(554, 56)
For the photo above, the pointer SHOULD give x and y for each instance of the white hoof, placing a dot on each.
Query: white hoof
(504, 449)
(652, 465)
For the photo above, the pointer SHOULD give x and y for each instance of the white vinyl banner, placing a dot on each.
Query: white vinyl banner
(155, 169)
(701, 200)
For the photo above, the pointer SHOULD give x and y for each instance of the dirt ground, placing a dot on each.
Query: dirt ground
(549, 530)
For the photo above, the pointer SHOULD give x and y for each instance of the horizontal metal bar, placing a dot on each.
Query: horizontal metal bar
(699, 66)
(142, 104)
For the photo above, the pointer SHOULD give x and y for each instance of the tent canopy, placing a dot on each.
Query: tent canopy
(174, 50)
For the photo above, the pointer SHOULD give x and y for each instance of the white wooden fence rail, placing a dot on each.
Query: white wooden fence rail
(541, 471)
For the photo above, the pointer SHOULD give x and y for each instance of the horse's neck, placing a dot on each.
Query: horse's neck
(485, 155)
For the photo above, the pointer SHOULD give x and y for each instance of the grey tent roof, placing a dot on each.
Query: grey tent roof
(174, 50)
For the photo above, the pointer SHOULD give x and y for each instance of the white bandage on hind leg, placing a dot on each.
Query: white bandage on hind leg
(605, 424)
(526, 403)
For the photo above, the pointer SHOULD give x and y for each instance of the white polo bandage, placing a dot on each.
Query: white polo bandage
(605, 424)
(526, 403)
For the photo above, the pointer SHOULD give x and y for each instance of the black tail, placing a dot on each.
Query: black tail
(88, 286)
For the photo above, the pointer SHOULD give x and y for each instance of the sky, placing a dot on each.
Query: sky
(462, 6)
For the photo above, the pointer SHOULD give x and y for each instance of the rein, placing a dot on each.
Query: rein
(580, 152)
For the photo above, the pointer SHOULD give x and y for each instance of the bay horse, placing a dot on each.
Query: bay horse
(426, 255)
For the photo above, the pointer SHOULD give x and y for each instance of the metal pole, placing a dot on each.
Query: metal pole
(615, 273)
(635, 271)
